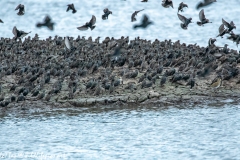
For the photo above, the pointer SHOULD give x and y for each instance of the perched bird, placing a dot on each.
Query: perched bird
(230, 25)
(18, 34)
(133, 17)
(21, 9)
(181, 6)
(217, 82)
(185, 21)
(222, 31)
(71, 7)
(202, 18)
(89, 24)
(211, 42)
(167, 3)
(1, 21)
(144, 24)
(106, 13)
(205, 3)
(47, 22)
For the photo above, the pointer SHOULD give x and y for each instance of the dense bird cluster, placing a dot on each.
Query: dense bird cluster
(41, 69)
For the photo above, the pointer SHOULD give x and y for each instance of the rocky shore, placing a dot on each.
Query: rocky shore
(38, 73)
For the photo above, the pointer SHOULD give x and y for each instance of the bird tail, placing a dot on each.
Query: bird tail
(74, 11)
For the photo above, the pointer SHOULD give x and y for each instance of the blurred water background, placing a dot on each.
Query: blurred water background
(166, 23)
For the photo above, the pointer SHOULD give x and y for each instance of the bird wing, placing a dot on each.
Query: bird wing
(14, 31)
(1, 21)
(133, 16)
(182, 18)
(202, 15)
(221, 28)
(138, 11)
(185, 5)
(226, 23)
(68, 8)
(83, 28)
(93, 20)
(18, 7)
(67, 43)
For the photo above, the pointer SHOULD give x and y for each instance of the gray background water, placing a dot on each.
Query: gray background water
(166, 23)
(198, 132)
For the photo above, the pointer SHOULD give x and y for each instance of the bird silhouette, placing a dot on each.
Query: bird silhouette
(89, 24)
(144, 24)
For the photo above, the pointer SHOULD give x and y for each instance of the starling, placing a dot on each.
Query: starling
(106, 13)
(230, 25)
(133, 17)
(144, 24)
(211, 42)
(71, 7)
(185, 21)
(222, 31)
(202, 18)
(89, 24)
(1, 21)
(21, 9)
(181, 6)
(47, 22)
(167, 3)
(205, 3)
(144, 1)
(18, 34)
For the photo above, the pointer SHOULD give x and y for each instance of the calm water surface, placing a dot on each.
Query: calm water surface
(200, 132)
(166, 23)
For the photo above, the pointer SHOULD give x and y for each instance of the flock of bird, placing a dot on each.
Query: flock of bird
(38, 69)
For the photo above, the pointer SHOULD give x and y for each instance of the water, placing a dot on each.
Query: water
(199, 132)
(166, 23)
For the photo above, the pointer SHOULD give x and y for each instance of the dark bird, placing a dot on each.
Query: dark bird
(222, 31)
(185, 21)
(47, 22)
(117, 53)
(181, 6)
(144, 24)
(230, 25)
(71, 7)
(89, 24)
(21, 10)
(205, 3)
(167, 3)
(144, 1)
(234, 37)
(106, 13)
(163, 80)
(133, 17)
(202, 18)
(211, 41)
(1, 21)
(191, 82)
(18, 34)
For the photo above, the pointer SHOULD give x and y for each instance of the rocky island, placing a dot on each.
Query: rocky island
(82, 72)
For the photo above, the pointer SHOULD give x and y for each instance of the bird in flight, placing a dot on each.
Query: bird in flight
(71, 7)
(89, 24)
(21, 11)
(133, 17)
